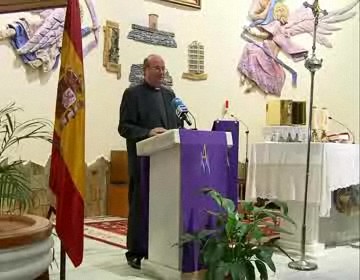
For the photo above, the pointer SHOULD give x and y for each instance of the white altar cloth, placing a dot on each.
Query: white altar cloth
(278, 170)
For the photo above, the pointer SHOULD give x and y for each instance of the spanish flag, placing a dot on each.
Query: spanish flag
(67, 172)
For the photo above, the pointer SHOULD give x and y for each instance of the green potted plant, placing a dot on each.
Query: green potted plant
(236, 246)
(22, 236)
(15, 193)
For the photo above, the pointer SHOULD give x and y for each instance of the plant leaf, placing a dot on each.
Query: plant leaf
(186, 238)
(222, 269)
(242, 229)
(213, 194)
(216, 214)
(261, 267)
(10, 124)
(225, 203)
(251, 250)
(236, 271)
(231, 225)
(277, 228)
(206, 232)
(262, 213)
(249, 271)
(14, 188)
(228, 205)
(220, 216)
(218, 271)
(257, 233)
(213, 251)
(248, 206)
(265, 255)
(283, 205)
(195, 237)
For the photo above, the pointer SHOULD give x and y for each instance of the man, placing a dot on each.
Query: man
(145, 111)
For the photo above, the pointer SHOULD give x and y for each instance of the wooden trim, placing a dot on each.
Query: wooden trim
(11, 6)
(187, 3)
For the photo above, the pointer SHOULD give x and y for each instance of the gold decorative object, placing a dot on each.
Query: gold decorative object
(298, 114)
(319, 135)
(320, 119)
(196, 57)
(111, 48)
(285, 112)
(278, 112)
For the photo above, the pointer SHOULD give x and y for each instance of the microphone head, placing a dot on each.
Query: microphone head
(179, 106)
(175, 102)
(181, 110)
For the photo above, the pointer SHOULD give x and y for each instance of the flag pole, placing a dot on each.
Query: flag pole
(62, 262)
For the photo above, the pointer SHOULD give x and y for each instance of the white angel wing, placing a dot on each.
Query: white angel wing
(48, 34)
(302, 21)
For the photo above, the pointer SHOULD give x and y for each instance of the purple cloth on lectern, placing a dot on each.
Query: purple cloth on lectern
(232, 191)
(144, 191)
(204, 163)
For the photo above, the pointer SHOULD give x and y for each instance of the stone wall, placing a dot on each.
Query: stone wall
(97, 175)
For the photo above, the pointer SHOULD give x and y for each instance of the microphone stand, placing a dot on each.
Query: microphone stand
(246, 147)
(195, 127)
(312, 64)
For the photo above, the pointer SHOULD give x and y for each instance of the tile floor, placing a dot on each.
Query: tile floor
(106, 262)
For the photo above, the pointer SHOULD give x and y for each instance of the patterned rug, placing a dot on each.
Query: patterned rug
(109, 230)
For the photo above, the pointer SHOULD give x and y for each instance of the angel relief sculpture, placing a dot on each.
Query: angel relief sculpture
(37, 37)
(270, 31)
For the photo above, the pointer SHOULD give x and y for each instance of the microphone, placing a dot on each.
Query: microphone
(246, 145)
(343, 125)
(239, 120)
(181, 110)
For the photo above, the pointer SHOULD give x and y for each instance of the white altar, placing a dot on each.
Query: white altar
(278, 170)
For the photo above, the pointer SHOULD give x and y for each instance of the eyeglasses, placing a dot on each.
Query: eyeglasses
(158, 68)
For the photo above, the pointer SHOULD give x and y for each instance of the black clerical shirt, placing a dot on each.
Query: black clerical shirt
(143, 108)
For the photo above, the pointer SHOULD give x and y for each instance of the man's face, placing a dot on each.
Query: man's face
(154, 73)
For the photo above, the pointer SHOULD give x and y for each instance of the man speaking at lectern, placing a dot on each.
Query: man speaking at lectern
(145, 111)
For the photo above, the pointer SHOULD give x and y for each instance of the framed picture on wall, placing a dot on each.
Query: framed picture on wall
(10, 6)
(189, 3)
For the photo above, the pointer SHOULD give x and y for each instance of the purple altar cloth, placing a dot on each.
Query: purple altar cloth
(204, 162)
(233, 127)
(144, 164)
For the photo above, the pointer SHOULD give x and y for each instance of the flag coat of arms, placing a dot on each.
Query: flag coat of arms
(67, 172)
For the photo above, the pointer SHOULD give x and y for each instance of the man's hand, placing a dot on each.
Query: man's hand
(156, 131)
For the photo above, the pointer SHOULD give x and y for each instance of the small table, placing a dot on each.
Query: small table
(278, 170)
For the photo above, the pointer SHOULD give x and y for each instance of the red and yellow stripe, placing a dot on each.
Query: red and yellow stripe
(67, 173)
